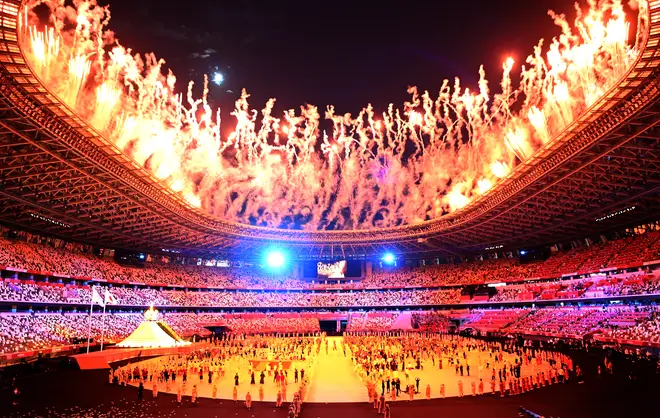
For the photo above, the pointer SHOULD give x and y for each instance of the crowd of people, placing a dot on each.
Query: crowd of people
(66, 259)
(15, 290)
(21, 332)
(640, 282)
(32, 332)
(262, 367)
(371, 321)
(586, 259)
(451, 274)
(644, 331)
(29, 332)
(78, 261)
(393, 366)
(431, 321)
(264, 324)
(622, 322)
(21, 291)
(405, 366)
(580, 321)
(215, 287)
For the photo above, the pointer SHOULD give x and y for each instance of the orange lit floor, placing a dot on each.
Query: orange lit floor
(334, 379)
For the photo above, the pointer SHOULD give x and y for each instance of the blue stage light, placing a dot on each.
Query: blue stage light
(523, 252)
(388, 258)
(275, 259)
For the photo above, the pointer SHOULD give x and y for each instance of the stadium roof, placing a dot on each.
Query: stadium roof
(59, 176)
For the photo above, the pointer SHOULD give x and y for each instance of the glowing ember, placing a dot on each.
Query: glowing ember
(287, 172)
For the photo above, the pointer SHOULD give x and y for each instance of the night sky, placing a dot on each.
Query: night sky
(342, 53)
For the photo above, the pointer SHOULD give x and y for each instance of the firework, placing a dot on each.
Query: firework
(284, 170)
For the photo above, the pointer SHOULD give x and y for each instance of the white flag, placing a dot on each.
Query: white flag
(110, 299)
(96, 298)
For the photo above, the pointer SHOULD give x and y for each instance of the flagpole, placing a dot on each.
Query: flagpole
(89, 321)
(103, 319)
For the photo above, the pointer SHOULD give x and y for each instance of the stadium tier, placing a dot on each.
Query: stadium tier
(27, 334)
(45, 261)
(455, 291)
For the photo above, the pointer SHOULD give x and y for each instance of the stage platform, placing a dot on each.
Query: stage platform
(102, 359)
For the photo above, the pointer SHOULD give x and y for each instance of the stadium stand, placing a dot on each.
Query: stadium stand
(58, 273)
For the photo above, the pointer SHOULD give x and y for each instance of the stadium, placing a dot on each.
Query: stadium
(481, 253)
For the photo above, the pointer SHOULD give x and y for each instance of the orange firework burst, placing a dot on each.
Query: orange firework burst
(272, 169)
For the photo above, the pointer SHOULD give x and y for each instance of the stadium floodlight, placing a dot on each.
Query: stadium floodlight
(388, 258)
(275, 259)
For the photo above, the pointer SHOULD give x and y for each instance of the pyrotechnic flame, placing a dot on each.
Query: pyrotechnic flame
(456, 199)
(484, 185)
(499, 169)
(193, 200)
(518, 142)
(398, 167)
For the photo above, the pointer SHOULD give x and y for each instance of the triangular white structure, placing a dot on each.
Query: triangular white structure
(152, 333)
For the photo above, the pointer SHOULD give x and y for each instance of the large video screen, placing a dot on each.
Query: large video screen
(338, 269)
(332, 270)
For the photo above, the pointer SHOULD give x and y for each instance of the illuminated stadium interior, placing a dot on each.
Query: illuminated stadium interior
(497, 241)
